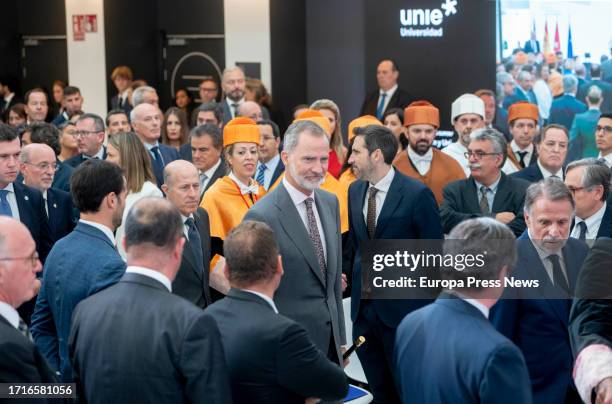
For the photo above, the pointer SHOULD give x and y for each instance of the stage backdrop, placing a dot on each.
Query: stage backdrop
(444, 48)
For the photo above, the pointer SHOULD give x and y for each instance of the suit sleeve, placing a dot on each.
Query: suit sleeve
(18, 364)
(518, 224)
(202, 363)
(428, 216)
(303, 369)
(505, 378)
(449, 210)
(43, 329)
(338, 284)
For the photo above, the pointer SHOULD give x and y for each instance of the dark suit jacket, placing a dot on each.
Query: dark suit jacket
(61, 179)
(280, 169)
(155, 347)
(410, 211)
(192, 282)
(32, 214)
(227, 114)
(518, 95)
(448, 352)
(115, 104)
(5, 107)
(501, 122)
(72, 272)
(461, 202)
(61, 213)
(76, 161)
(530, 173)
(590, 315)
(401, 99)
(169, 154)
(304, 295)
(563, 110)
(530, 48)
(605, 227)
(537, 322)
(280, 364)
(582, 136)
(60, 119)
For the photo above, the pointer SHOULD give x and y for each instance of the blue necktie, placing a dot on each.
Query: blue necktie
(381, 106)
(158, 165)
(260, 174)
(5, 208)
(195, 243)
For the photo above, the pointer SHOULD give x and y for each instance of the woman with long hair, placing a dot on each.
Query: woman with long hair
(68, 144)
(184, 101)
(127, 151)
(175, 130)
(16, 115)
(337, 153)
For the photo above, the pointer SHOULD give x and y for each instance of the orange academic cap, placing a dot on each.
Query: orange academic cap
(522, 109)
(360, 123)
(241, 129)
(421, 112)
(316, 117)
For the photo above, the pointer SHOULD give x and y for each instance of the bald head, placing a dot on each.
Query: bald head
(38, 165)
(250, 109)
(18, 282)
(182, 186)
(146, 122)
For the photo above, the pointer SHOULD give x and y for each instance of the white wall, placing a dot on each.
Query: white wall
(87, 59)
(247, 35)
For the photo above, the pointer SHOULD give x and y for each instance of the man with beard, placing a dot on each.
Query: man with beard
(488, 191)
(306, 221)
(523, 123)
(89, 135)
(234, 87)
(536, 319)
(98, 190)
(387, 205)
(468, 113)
(421, 161)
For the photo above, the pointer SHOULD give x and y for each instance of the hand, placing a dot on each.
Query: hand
(346, 361)
(344, 282)
(604, 391)
(505, 217)
(217, 279)
(312, 400)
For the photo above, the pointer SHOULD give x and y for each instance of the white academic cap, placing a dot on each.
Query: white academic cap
(467, 104)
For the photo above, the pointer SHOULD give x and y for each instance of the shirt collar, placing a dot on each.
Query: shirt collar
(104, 229)
(296, 196)
(516, 148)
(230, 102)
(414, 156)
(546, 173)
(10, 314)
(272, 163)
(158, 276)
(149, 146)
(9, 188)
(389, 92)
(266, 298)
(99, 154)
(492, 187)
(608, 159)
(594, 218)
(385, 182)
(474, 302)
(252, 188)
(211, 171)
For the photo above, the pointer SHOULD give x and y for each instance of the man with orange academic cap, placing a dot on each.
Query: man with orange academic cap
(523, 123)
(421, 161)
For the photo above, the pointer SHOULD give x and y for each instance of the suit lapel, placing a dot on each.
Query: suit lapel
(471, 196)
(605, 228)
(190, 259)
(24, 205)
(501, 195)
(328, 221)
(296, 231)
(392, 200)
(360, 226)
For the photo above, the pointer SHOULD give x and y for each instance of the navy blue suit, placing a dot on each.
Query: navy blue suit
(519, 95)
(564, 109)
(530, 173)
(410, 211)
(60, 119)
(169, 154)
(539, 326)
(61, 179)
(32, 214)
(280, 169)
(448, 352)
(72, 272)
(62, 215)
(605, 227)
(76, 161)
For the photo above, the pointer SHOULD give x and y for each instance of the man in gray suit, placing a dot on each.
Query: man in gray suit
(306, 221)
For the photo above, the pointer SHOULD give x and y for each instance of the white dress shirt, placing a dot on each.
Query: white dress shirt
(102, 228)
(607, 159)
(298, 199)
(269, 171)
(209, 173)
(231, 109)
(10, 314)
(383, 189)
(548, 266)
(490, 194)
(592, 223)
(457, 151)
(422, 163)
(266, 298)
(515, 149)
(12, 200)
(158, 276)
(546, 173)
(389, 93)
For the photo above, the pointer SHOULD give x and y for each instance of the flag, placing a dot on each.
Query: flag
(570, 46)
(546, 39)
(557, 46)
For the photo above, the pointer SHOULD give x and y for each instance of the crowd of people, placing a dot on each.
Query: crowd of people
(202, 255)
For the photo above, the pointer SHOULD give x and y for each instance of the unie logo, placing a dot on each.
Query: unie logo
(426, 18)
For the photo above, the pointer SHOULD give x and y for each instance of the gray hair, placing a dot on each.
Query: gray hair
(523, 75)
(98, 121)
(553, 189)
(154, 222)
(596, 172)
(503, 77)
(139, 93)
(495, 137)
(482, 235)
(594, 95)
(580, 70)
(293, 133)
(570, 83)
(231, 69)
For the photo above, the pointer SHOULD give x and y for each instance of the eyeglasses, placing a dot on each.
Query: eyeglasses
(573, 190)
(82, 133)
(44, 166)
(478, 154)
(33, 258)
(607, 129)
(208, 90)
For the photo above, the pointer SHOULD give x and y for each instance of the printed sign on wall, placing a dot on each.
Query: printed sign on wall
(82, 23)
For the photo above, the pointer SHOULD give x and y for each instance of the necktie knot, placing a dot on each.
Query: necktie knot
(522, 155)
(308, 203)
(189, 222)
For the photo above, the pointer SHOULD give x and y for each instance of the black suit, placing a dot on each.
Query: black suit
(77, 160)
(400, 99)
(192, 282)
(605, 227)
(4, 107)
(461, 202)
(62, 215)
(32, 214)
(530, 173)
(148, 344)
(270, 357)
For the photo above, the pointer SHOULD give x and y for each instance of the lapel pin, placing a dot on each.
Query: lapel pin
(55, 205)
(27, 198)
